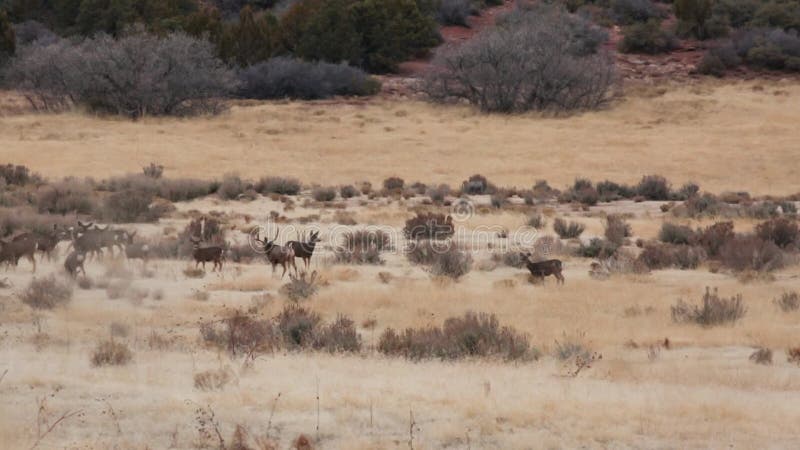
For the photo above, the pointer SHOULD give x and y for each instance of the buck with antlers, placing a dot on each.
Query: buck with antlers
(305, 249)
(206, 254)
(277, 254)
(544, 268)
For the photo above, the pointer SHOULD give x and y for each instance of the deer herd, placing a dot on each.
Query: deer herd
(89, 240)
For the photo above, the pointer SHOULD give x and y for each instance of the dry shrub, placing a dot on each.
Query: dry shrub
(119, 329)
(323, 194)
(424, 252)
(385, 277)
(512, 258)
(300, 287)
(349, 191)
(656, 256)
(297, 326)
(597, 248)
(131, 206)
(429, 226)
(762, 356)
(339, 336)
(111, 353)
(477, 185)
(537, 220)
(715, 310)
(232, 187)
(788, 301)
(240, 333)
(675, 234)
(213, 380)
(378, 239)
(653, 187)
(194, 272)
(453, 263)
(46, 293)
(358, 255)
(572, 347)
(712, 238)
(66, 197)
(278, 185)
(472, 335)
(793, 355)
(780, 231)
(747, 252)
(568, 230)
(617, 229)
(17, 174)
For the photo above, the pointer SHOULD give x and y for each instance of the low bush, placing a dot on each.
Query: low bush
(671, 233)
(213, 380)
(349, 191)
(339, 336)
(454, 12)
(477, 185)
(473, 335)
(424, 252)
(232, 187)
(129, 207)
(174, 190)
(617, 229)
(278, 185)
(627, 12)
(300, 287)
(788, 301)
(569, 230)
(242, 334)
(393, 184)
(762, 356)
(66, 197)
(597, 248)
(453, 263)
(367, 238)
(747, 252)
(780, 231)
(609, 191)
(46, 293)
(647, 37)
(17, 175)
(537, 220)
(323, 194)
(715, 310)
(111, 353)
(713, 237)
(429, 226)
(653, 187)
(283, 77)
(297, 326)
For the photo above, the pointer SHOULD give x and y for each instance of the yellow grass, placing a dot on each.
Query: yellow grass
(739, 136)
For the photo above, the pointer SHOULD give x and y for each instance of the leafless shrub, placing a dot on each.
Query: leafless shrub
(747, 252)
(793, 355)
(568, 230)
(788, 301)
(66, 197)
(358, 255)
(46, 293)
(780, 231)
(278, 185)
(134, 75)
(762, 356)
(715, 310)
(472, 335)
(153, 170)
(712, 238)
(323, 194)
(241, 334)
(192, 272)
(393, 184)
(213, 380)
(119, 329)
(653, 187)
(453, 263)
(366, 238)
(232, 187)
(131, 206)
(537, 220)
(477, 185)
(111, 353)
(429, 226)
(300, 287)
(297, 325)
(617, 229)
(541, 60)
(339, 336)
(675, 234)
(572, 347)
(349, 191)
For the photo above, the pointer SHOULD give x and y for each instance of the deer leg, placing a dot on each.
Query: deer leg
(284, 270)
(560, 277)
(33, 261)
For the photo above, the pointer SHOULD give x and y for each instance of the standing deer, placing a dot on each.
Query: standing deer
(46, 242)
(277, 254)
(74, 263)
(87, 240)
(12, 250)
(305, 249)
(206, 254)
(544, 268)
(135, 250)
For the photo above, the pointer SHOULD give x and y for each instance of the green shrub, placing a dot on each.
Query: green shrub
(647, 37)
(693, 16)
(628, 12)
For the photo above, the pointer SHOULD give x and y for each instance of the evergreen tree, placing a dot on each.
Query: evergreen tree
(331, 35)
(253, 39)
(8, 42)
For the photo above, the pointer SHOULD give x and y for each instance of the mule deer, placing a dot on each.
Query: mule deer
(206, 254)
(277, 254)
(74, 263)
(23, 245)
(305, 249)
(46, 242)
(135, 250)
(544, 268)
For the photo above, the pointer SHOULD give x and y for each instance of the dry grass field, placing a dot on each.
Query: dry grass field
(651, 382)
(741, 135)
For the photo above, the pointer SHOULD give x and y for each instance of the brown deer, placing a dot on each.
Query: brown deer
(305, 249)
(46, 241)
(74, 263)
(135, 250)
(277, 254)
(11, 250)
(206, 254)
(87, 240)
(544, 268)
